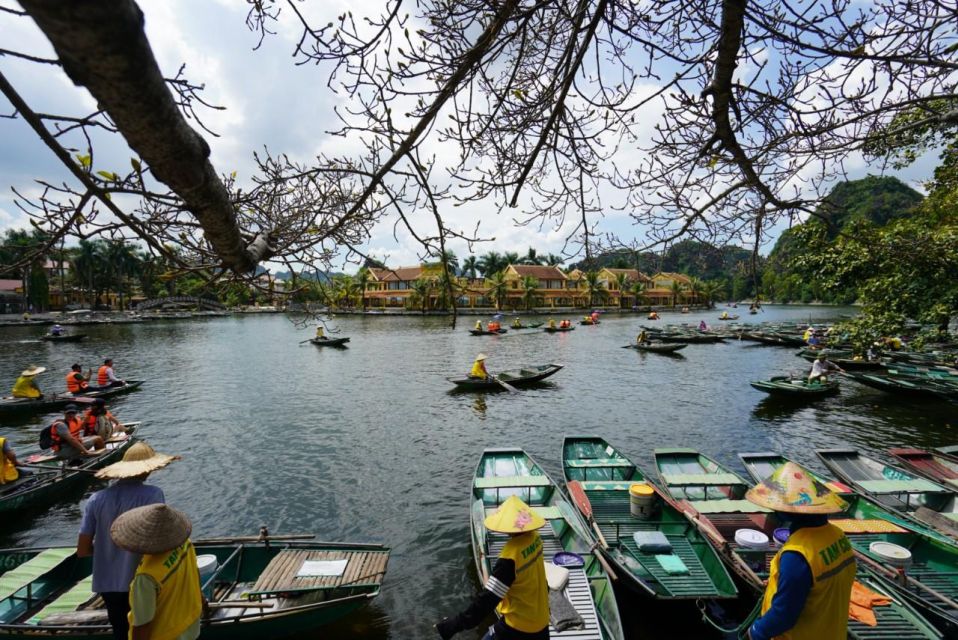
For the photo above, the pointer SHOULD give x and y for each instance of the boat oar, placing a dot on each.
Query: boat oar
(585, 506)
(55, 469)
(505, 385)
(896, 576)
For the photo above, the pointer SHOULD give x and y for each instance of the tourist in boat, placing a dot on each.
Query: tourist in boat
(106, 377)
(8, 463)
(69, 442)
(517, 588)
(26, 384)
(595, 317)
(809, 332)
(98, 421)
(552, 323)
(56, 330)
(703, 326)
(77, 383)
(165, 596)
(479, 368)
(724, 315)
(685, 309)
(810, 578)
(516, 323)
(653, 315)
(113, 568)
(820, 369)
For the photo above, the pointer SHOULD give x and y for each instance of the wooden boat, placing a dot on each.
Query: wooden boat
(731, 317)
(588, 321)
(713, 498)
(48, 485)
(531, 325)
(774, 339)
(601, 477)
(939, 467)
(559, 329)
(904, 386)
(517, 378)
(849, 364)
(932, 583)
(789, 387)
(658, 348)
(505, 472)
(74, 337)
(484, 332)
(51, 403)
(330, 342)
(894, 488)
(255, 591)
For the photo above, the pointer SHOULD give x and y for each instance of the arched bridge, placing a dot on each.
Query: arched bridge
(202, 303)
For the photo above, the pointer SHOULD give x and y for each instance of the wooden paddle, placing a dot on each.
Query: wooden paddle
(505, 385)
(570, 517)
(585, 506)
(55, 469)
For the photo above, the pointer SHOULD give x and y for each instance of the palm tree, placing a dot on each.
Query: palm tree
(490, 264)
(593, 287)
(470, 266)
(362, 281)
(510, 257)
(530, 287)
(122, 262)
(531, 257)
(677, 290)
(498, 289)
(553, 260)
(623, 282)
(421, 288)
(712, 291)
(448, 290)
(638, 290)
(695, 289)
(452, 262)
(88, 266)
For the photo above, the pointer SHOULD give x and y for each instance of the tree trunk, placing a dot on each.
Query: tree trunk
(103, 47)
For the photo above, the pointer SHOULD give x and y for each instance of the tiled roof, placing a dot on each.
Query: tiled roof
(399, 274)
(631, 274)
(679, 277)
(539, 271)
(9, 285)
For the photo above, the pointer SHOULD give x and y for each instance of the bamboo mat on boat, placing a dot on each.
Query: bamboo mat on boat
(363, 567)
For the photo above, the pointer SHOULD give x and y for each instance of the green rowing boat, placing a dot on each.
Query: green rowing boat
(40, 487)
(524, 377)
(559, 329)
(330, 342)
(51, 403)
(789, 387)
(506, 472)
(598, 478)
(256, 590)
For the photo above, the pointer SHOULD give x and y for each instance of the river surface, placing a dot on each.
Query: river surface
(368, 444)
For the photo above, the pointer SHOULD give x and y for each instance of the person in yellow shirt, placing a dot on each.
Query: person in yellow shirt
(810, 579)
(478, 325)
(516, 324)
(165, 598)
(552, 323)
(517, 588)
(26, 384)
(320, 335)
(8, 463)
(479, 368)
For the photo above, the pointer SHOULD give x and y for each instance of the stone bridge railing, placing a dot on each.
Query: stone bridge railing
(203, 303)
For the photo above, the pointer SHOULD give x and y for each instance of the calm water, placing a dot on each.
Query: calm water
(367, 444)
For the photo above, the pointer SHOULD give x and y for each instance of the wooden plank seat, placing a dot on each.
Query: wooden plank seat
(22, 575)
(607, 485)
(598, 462)
(899, 486)
(874, 525)
(364, 568)
(549, 513)
(701, 479)
(504, 482)
(729, 506)
(71, 600)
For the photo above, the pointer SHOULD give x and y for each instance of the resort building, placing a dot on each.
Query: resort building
(620, 282)
(551, 286)
(667, 288)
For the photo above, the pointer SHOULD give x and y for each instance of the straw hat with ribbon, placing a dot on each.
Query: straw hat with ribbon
(481, 356)
(33, 370)
(792, 489)
(155, 528)
(140, 459)
(514, 516)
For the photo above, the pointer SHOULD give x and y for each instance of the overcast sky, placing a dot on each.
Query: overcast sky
(270, 102)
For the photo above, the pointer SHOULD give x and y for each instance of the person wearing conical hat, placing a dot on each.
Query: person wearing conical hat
(113, 567)
(479, 368)
(26, 384)
(810, 578)
(821, 367)
(517, 588)
(165, 598)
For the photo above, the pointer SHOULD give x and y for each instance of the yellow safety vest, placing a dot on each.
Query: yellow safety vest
(8, 472)
(25, 387)
(828, 552)
(478, 370)
(179, 603)
(526, 605)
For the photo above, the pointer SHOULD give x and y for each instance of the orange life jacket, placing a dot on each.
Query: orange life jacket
(102, 379)
(73, 384)
(75, 426)
(89, 422)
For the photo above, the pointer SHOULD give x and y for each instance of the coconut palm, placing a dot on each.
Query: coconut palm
(553, 260)
(677, 290)
(470, 266)
(532, 257)
(638, 290)
(712, 291)
(530, 288)
(421, 289)
(362, 281)
(122, 262)
(452, 262)
(498, 289)
(491, 263)
(510, 257)
(623, 282)
(695, 289)
(594, 287)
(448, 289)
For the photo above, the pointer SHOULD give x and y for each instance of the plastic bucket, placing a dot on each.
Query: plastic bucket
(781, 535)
(751, 539)
(641, 500)
(892, 554)
(207, 565)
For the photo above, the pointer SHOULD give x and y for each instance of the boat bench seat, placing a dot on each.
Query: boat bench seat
(607, 485)
(502, 482)
(71, 600)
(700, 479)
(598, 462)
(549, 513)
(728, 506)
(44, 562)
(899, 486)
(875, 525)
(363, 569)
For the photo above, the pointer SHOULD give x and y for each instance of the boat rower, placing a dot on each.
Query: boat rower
(552, 323)
(8, 463)
(820, 369)
(479, 368)
(320, 334)
(811, 577)
(478, 325)
(68, 439)
(517, 588)
(106, 377)
(26, 384)
(56, 330)
(516, 324)
(643, 338)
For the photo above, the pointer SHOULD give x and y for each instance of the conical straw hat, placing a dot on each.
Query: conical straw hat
(33, 370)
(138, 460)
(514, 516)
(481, 356)
(792, 489)
(154, 528)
